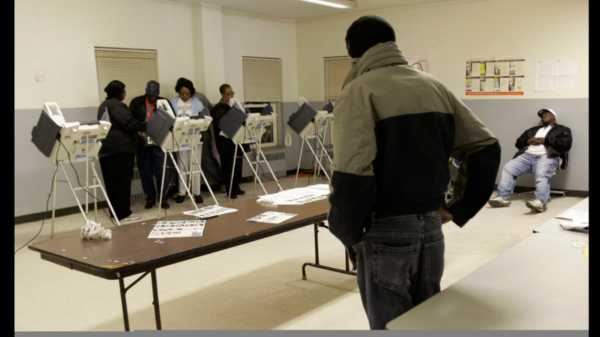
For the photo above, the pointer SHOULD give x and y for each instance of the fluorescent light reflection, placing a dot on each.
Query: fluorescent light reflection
(329, 3)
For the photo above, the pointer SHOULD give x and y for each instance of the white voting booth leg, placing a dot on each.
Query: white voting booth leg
(321, 150)
(96, 178)
(180, 175)
(251, 167)
(320, 165)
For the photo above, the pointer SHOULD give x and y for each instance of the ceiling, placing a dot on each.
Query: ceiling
(300, 10)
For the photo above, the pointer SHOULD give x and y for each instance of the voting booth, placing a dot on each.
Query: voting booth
(72, 142)
(311, 124)
(178, 134)
(248, 128)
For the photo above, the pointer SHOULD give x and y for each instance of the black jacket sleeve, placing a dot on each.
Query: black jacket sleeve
(562, 141)
(124, 119)
(522, 140)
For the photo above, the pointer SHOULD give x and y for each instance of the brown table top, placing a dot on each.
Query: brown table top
(130, 252)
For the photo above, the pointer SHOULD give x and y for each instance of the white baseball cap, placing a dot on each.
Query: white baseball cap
(549, 110)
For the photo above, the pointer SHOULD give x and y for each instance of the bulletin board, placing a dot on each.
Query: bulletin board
(493, 77)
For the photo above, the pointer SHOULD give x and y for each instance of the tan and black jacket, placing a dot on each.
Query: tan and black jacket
(395, 129)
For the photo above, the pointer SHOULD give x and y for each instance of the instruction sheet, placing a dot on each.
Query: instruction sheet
(272, 217)
(210, 211)
(177, 229)
(298, 196)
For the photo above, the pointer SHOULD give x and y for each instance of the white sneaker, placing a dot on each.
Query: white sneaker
(536, 205)
(499, 202)
(131, 217)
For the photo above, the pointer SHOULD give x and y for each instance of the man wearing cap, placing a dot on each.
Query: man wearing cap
(395, 130)
(539, 150)
(150, 158)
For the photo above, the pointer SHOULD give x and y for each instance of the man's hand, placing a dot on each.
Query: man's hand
(533, 141)
(445, 214)
(540, 140)
(141, 134)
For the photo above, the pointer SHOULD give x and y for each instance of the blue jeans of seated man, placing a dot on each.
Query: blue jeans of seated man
(400, 263)
(150, 160)
(541, 166)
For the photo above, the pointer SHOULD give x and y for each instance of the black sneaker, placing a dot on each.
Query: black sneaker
(233, 196)
(240, 192)
(179, 199)
(198, 199)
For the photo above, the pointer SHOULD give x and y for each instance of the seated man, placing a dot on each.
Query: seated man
(539, 150)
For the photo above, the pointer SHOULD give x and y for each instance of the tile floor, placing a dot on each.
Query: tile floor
(256, 286)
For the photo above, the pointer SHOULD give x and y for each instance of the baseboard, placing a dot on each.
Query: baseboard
(59, 212)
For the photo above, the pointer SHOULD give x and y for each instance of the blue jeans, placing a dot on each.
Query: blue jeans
(150, 160)
(541, 165)
(400, 263)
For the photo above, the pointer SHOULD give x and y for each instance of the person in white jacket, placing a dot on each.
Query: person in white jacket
(187, 105)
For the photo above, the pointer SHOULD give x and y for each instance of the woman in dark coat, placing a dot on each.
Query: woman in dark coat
(225, 146)
(117, 153)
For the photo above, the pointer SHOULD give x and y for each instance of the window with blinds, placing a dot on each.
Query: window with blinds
(336, 70)
(134, 67)
(262, 79)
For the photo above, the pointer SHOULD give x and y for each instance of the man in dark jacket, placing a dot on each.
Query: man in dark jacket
(539, 150)
(395, 130)
(150, 158)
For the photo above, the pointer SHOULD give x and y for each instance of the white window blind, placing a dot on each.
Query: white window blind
(336, 70)
(133, 67)
(262, 80)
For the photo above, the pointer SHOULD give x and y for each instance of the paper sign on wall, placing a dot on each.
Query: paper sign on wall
(490, 77)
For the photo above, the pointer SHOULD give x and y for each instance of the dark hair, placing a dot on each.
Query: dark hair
(114, 89)
(223, 87)
(366, 32)
(184, 82)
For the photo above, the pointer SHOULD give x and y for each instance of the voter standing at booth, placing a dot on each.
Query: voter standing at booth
(117, 154)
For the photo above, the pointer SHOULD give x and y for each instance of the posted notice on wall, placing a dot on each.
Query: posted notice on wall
(555, 75)
(177, 229)
(420, 65)
(491, 77)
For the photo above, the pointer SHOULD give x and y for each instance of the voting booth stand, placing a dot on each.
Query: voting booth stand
(311, 124)
(75, 143)
(178, 134)
(249, 128)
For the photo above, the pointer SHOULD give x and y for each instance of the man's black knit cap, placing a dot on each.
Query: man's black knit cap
(366, 32)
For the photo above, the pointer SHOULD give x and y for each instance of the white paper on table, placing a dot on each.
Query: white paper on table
(575, 224)
(574, 215)
(544, 78)
(298, 196)
(272, 217)
(177, 229)
(503, 84)
(210, 211)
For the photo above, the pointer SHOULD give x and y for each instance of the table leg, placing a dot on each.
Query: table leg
(155, 303)
(124, 303)
(317, 264)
